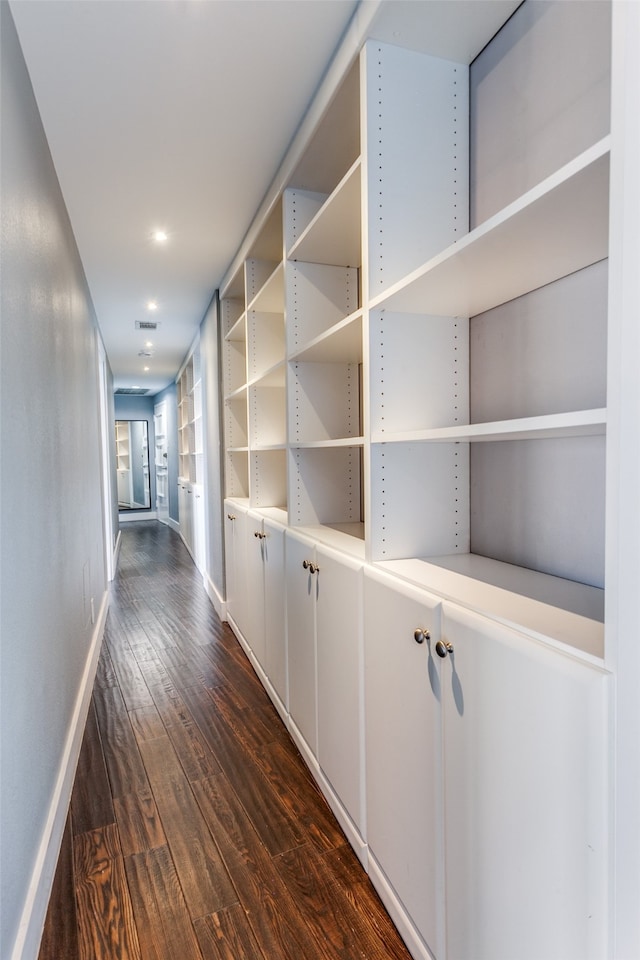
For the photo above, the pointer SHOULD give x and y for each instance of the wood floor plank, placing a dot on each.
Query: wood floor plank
(164, 927)
(227, 935)
(236, 672)
(339, 923)
(91, 796)
(156, 676)
(198, 762)
(130, 679)
(288, 775)
(205, 881)
(105, 917)
(278, 829)
(139, 823)
(157, 634)
(147, 723)
(269, 908)
(105, 673)
(60, 935)
(124, 763)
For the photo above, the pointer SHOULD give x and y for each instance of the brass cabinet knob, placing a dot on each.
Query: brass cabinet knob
(230, 516)
(420, 634)
(310, 566)
(443, 648)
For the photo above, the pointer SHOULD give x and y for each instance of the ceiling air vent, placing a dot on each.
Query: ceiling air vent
(131, 391)
(147, 324)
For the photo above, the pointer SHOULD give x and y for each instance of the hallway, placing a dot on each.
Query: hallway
(196, 832)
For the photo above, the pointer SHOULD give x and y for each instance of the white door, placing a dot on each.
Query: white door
(524, 777)
(161, 461)
(403, 755)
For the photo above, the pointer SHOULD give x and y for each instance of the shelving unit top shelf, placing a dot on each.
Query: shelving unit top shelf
(551, 608)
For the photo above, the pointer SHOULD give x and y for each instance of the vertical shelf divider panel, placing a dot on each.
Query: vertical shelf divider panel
(415, 203)
(417, 149)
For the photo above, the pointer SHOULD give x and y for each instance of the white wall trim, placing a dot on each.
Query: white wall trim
(27, 943)
(173, 524)
(412, 939)
(116, 551)
(131, 515)
(219, 604)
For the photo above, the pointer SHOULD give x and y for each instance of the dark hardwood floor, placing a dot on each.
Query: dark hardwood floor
(195, 830)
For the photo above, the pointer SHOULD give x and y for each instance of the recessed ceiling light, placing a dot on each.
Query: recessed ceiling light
(148, 343)
(152, 305)
(160, 236)
(146, 369)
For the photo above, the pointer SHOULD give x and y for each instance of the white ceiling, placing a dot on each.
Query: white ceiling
(172, 113)
(177, 114)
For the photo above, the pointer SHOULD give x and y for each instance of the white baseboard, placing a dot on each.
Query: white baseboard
(347, 825)
(219, 604)
(132, 515)
(412, 939)
(116, 550)
(170, 522)
(27, 943)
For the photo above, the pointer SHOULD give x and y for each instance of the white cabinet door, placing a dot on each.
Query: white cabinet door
(339, 658)
(302, 585)
(236, 556)
(185, 511)
(198, 526)
(524, 777)
(274, 608)
(255, 627)
(403, 755)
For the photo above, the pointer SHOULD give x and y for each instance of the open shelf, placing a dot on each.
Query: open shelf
(269, 297)
(556, 228)
(274, 376)
(334, 236)
(238, 331)
(580, 423)
(324, 402)
(340, 343)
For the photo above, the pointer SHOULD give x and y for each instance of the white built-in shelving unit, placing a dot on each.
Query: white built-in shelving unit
(415, 342)
(361, 331)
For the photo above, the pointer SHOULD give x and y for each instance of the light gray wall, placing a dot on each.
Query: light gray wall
(170, 396)
(51, 533)
(210, 365)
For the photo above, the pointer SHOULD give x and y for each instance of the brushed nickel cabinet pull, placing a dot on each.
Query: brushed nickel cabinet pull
(443, 648)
